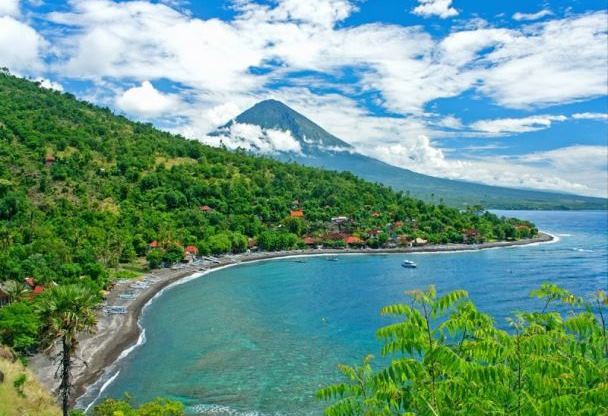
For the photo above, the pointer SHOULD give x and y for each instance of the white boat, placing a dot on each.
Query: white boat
(408, 264)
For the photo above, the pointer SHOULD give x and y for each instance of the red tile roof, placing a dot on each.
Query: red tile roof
(351, 239)
(375, 214)
(38, 290)
(205, 208)
(309, 241)
(191, 250)
(153, 244)
(296, 213)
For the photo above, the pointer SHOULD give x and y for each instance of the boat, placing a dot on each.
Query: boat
(408, 264)
(332, 259)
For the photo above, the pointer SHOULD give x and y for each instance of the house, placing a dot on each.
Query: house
(420, 241)
(252, 244)
(404, 240)
(49, 159)
(470, 234)
(190, 253)
(153, 244)
(374, 233)
(296, 213)
(397, 224)
(30, 282)
(205, 208)
(375, 214)
(38, 289)
(352, 240)
(310, 241)
(339, 220)
(191, 250)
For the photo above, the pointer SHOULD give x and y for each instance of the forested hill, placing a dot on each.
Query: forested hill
(83, 191)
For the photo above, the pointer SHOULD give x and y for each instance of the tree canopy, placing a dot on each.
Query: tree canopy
(447, 358)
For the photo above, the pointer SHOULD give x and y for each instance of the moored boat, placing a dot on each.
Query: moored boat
(408, 264)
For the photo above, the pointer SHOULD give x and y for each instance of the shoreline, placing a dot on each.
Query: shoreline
(118, 334)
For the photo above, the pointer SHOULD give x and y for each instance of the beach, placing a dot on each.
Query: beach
(117, 332)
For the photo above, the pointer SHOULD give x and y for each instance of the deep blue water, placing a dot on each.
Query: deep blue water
(261, 338)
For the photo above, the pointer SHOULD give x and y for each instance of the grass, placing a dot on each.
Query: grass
(20, 393)
(131, 270)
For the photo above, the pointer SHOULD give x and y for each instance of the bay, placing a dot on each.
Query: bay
(261, 338)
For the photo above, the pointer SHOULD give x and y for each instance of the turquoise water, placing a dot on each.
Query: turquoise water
(261, 338)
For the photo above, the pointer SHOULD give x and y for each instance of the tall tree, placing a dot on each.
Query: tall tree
(66, 311)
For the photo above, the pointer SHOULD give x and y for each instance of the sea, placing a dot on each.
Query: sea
(261, 338)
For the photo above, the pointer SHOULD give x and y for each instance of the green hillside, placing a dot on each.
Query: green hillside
(20, 393)
(322, 149)
(84, 193)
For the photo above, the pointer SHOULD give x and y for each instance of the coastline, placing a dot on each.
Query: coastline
(118, 334)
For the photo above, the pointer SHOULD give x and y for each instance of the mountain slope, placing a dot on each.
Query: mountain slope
(84, 193)
(321, 149)
(273, 114)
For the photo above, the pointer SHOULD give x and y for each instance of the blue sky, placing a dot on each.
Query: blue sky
(507, 93)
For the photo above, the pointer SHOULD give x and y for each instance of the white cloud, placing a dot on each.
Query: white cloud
(9, 8)
(555, 62)
(146, 101)
(516, 125)
(325, 13)
(590, 116)
(50, 85)
(558, 61)
(574, 169)
(403, 68)
(440, 8)
(20, 46)
(151, 41)
(418, 153)
(253, 138)
(449, 122)
(532, 16)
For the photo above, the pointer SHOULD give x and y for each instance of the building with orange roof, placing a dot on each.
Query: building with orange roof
(353, 240)
(296, 213)
(191, 250)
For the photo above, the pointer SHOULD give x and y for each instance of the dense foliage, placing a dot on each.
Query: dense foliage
(449, 359)
(157, 407)
(84, 193)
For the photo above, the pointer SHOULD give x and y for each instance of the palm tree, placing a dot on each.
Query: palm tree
(66, 311)
(15, 290)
